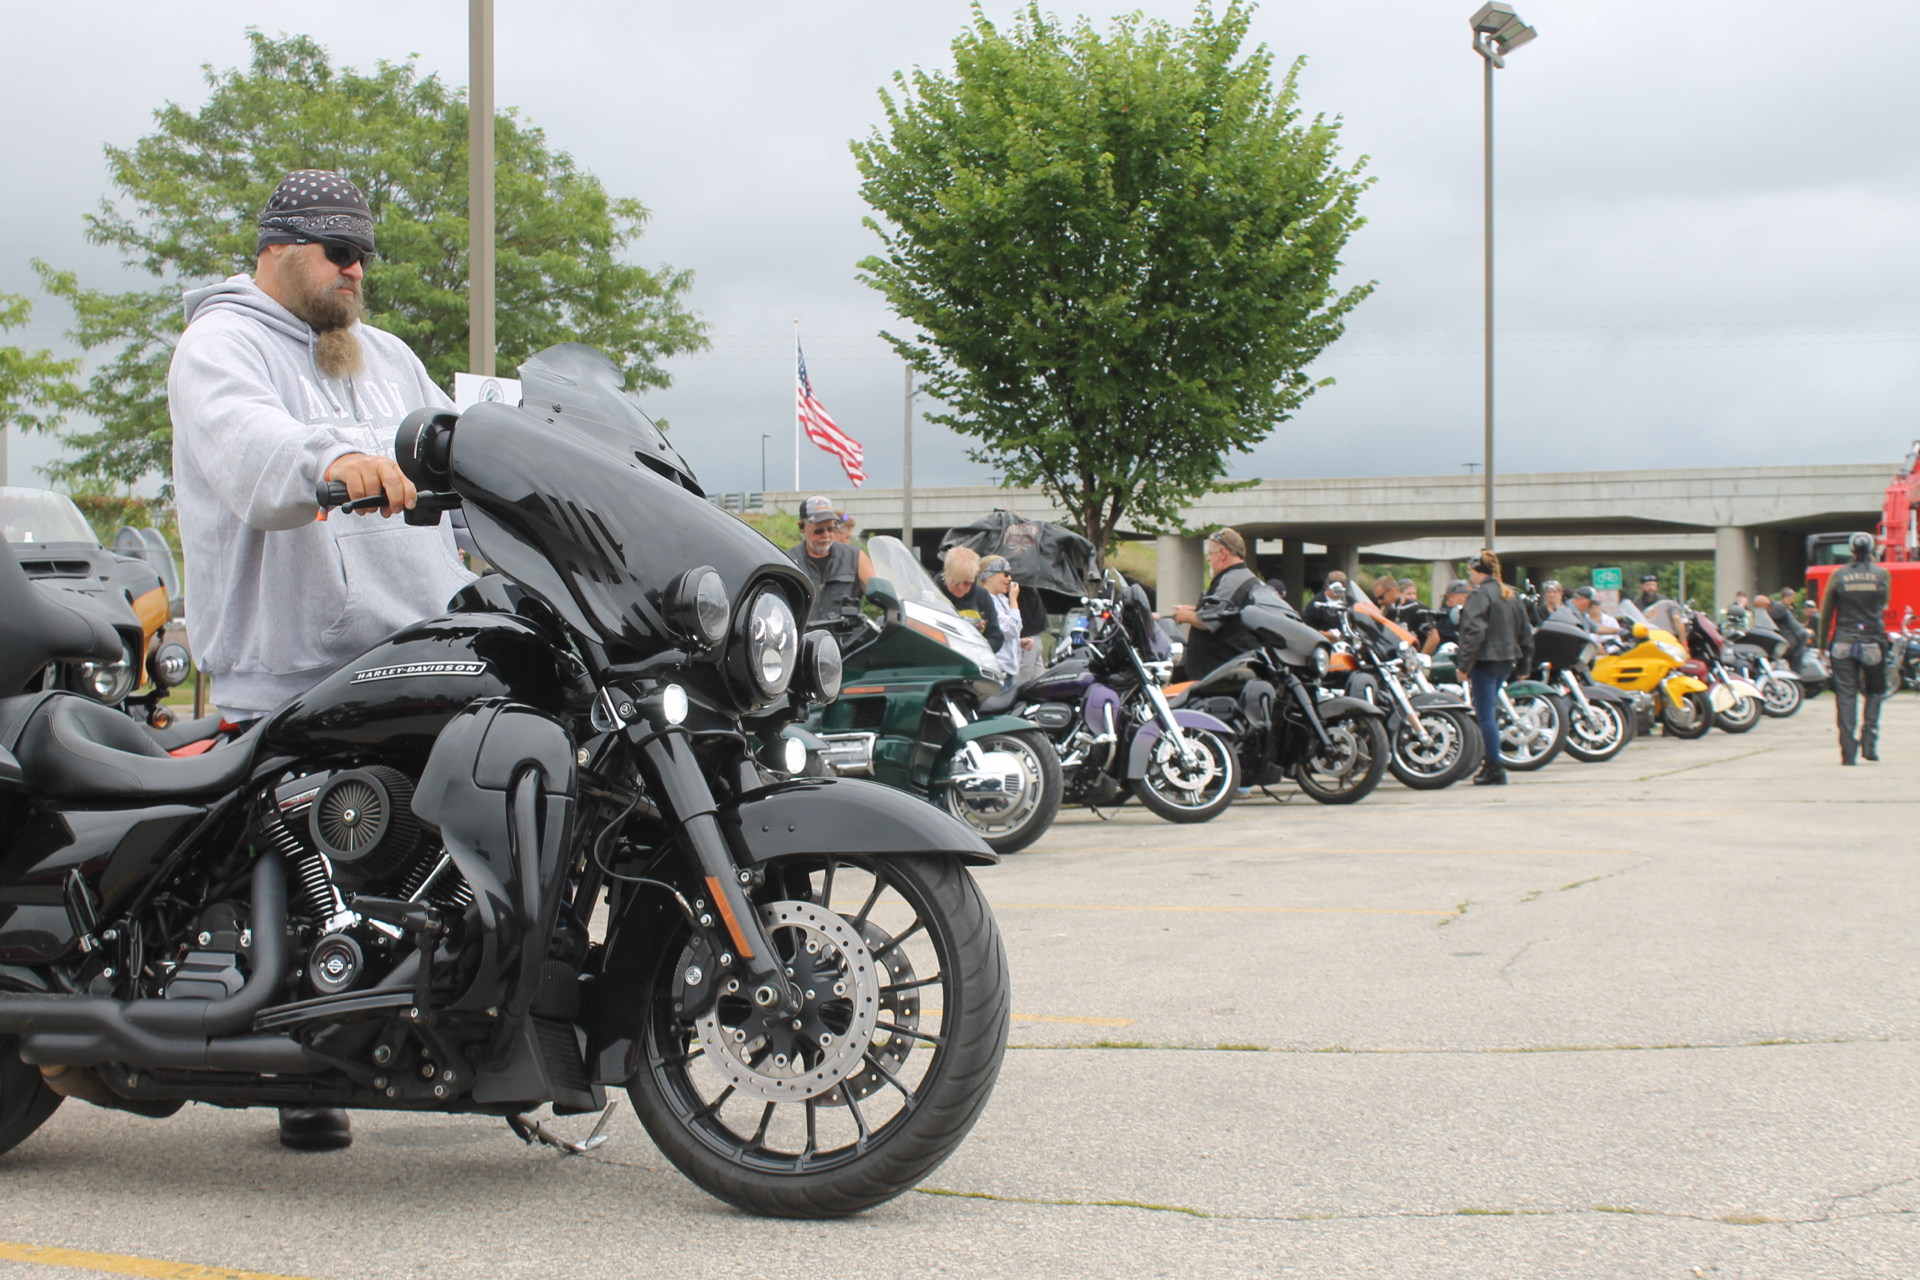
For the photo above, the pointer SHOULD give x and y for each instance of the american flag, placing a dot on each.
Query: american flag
(821, 429)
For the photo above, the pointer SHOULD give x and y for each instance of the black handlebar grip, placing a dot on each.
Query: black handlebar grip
(331, 493)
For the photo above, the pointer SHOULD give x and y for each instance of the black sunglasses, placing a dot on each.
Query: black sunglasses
(342, 254)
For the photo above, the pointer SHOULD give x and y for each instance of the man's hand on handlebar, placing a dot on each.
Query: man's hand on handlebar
(367, 476)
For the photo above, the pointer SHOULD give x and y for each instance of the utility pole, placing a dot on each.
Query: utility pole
(906, 471)
(764, 437)
(480, 235)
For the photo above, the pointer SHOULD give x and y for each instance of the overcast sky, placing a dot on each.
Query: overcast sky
(1706, 229)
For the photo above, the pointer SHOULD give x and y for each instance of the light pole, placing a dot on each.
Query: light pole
(764, 437)
(480, 221)
(1497, 31)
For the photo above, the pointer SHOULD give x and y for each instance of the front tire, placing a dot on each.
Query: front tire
(1012, 827)
(1197, 795)
(1353, 768)
(1599, 732)
(1536, 736)
(25, 1100)
(1740, 717)
(1443, 759)
(1692, 720)
(1783, 698)
(749, 1125)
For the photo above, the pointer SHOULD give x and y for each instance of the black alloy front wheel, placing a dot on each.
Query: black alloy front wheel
(1352, 767)
(880, 1074)
(1691, 719)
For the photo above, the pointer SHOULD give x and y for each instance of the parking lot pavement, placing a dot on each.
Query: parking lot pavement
(1652, 1018)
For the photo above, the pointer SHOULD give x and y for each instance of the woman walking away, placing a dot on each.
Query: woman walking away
(1495, 641)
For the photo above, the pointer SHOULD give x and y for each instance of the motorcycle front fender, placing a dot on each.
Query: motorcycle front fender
(1525, 687)
(1142, 750)
(1746, 689)
(982, 728)
(1677, 687)
(1605, 693)
(1422, 701)
(807, 817)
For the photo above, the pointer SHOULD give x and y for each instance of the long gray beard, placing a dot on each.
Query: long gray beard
(337, 352)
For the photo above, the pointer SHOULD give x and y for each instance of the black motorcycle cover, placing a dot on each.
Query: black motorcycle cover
(1043, 555)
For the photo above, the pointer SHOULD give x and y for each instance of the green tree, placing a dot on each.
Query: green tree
(35, 386)
(1118, 251)
(195, 187)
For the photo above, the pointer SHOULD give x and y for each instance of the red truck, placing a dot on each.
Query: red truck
(1899, 539)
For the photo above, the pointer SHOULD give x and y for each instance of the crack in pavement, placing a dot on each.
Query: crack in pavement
(1172, 1047)
(1516, 958)
(1704, 764)
(1466, 1211)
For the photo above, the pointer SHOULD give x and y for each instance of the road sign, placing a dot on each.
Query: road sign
(1606, 579)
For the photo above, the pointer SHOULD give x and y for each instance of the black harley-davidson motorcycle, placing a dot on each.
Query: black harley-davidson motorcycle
(1287, 722)
(382, 895)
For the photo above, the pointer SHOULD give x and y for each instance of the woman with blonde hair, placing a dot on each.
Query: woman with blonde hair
(1495, 641)
(960, 574)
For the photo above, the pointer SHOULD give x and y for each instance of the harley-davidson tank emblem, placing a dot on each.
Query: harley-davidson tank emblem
(405, 669)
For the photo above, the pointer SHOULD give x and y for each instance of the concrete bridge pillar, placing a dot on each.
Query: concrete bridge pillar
(1341, 557)
(1443, 573)
(1180, 572)
(1736, 563)
(1293, 568)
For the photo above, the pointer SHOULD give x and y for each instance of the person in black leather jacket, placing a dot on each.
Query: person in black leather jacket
(1496, 641)
(1215, 633)
(1853, 629)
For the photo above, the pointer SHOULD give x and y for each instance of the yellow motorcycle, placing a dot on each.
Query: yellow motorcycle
(1658, 664)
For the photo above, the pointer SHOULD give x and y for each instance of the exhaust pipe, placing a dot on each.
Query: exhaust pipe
(86, 1031)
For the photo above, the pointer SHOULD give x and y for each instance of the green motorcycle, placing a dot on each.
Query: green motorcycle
(908, 715)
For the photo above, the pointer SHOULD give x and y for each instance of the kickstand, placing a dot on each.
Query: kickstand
(530, 1131)
(1278, 799)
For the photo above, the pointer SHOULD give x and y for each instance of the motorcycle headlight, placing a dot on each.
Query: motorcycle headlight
(773, 643)
(699, 606)
(1322, 656)
(820, 667)
(107, 681)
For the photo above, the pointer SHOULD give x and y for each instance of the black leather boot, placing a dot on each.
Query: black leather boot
(1491, 776)
(314, 1129)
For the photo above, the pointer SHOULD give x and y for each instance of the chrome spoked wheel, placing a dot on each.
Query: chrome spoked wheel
(851, 1099)
(1533, 734)
(1598, 731)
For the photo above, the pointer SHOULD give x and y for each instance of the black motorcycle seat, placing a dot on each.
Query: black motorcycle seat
(1003, 700)
(72, 747)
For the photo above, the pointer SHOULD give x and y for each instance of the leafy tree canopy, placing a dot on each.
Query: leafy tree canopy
(32, 380)
(1118, 250)
(195, 187)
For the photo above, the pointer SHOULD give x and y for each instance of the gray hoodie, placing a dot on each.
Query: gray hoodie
(276, 598)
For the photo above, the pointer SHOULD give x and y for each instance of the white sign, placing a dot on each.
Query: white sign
(470, 389)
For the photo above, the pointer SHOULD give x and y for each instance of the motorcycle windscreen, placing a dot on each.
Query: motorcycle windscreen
(1281, 627)
(582, 519)
(928, 607)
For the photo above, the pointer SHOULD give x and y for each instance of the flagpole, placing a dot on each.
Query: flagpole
(796, 404)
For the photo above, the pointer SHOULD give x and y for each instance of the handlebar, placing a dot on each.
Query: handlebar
(330, 494)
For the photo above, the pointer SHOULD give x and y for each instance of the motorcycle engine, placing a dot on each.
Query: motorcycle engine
(353, 831)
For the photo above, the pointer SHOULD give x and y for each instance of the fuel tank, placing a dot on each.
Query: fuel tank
(401, 693)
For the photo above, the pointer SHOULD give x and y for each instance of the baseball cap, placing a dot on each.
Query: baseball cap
(1459, 585)
(1650, 577)
(994, 564)
(816, 509)
(1585, 593)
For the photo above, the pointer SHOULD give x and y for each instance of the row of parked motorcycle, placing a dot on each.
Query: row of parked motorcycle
(923, 708)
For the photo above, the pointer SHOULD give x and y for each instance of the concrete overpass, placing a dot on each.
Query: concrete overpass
(1751, 521)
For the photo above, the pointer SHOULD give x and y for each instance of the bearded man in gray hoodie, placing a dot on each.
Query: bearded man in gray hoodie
(275, 387)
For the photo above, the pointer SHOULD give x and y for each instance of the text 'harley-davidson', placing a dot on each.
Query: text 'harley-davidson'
(381, 895)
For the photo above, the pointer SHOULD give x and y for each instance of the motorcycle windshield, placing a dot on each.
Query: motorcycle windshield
(927, 605)
(577, 498)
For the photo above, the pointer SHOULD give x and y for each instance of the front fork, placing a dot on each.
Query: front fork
(675, 775)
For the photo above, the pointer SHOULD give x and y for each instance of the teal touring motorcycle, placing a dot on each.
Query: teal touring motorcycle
(909, 714)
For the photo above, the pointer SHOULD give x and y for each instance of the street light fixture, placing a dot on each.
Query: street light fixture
(1497, 31)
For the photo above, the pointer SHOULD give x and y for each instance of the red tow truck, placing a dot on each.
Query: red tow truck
(1899, 539)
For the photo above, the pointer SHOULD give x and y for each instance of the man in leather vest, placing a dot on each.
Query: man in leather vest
(1215, 632)
(839, 570)
(1853, 630)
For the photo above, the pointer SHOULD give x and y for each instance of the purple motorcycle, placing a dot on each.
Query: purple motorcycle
(1106, 715)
